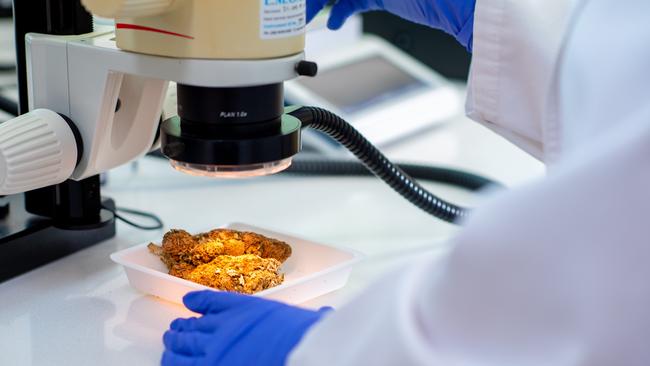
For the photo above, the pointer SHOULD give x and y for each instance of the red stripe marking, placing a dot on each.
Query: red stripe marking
(149, 29)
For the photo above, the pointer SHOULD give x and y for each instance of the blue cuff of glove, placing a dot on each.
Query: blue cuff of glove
(466, 35)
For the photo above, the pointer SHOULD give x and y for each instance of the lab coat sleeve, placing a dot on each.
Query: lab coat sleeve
(516, 46)
(555, 273)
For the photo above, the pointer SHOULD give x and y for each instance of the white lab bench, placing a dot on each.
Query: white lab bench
(80, 310)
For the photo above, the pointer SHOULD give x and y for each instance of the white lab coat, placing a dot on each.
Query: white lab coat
(554, 273)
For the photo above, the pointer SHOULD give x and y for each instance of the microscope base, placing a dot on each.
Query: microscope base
(28, 241)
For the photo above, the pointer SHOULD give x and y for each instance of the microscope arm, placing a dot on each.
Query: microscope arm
(82, 78)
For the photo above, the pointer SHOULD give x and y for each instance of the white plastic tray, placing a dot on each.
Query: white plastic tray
(312, 270)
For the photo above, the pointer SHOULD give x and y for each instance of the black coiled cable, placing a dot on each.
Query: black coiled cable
(345, 168)
(376, 162)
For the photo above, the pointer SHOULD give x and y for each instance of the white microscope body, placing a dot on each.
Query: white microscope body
(95, 100)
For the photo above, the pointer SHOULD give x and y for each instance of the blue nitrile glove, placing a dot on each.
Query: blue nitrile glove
(455, 17)
(236, 330)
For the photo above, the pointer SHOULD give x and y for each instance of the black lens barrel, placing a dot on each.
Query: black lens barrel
(230, 106)
(230, 126)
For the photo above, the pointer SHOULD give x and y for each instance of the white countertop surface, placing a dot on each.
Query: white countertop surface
(81, 310)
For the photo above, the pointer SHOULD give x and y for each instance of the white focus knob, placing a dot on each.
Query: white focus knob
(127, 8)
(37, 149)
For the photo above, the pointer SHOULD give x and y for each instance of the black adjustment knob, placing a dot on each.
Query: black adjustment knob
(307, 68)
(4, 206)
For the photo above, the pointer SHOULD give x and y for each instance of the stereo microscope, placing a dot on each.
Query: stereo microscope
(91, 100)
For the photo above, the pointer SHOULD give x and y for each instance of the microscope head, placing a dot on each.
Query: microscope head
(224, 29)
(230, 129)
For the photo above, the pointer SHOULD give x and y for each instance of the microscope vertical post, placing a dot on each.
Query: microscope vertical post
(49, 223)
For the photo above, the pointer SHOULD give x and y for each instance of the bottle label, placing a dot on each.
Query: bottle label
(282, 18)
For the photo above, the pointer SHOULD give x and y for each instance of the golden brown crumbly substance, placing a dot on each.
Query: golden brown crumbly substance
(246, 273)
(181, 269)
(232, 242)
(224, 259)
(157, 250)
(177, 245)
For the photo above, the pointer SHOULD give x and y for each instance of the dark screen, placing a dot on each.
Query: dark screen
(357, 85)
(436, 49)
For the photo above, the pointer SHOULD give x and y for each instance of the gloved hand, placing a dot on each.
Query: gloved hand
(236, 330)
(455, 17)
